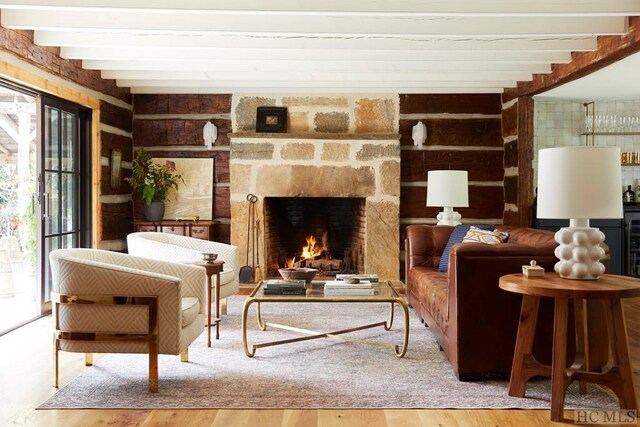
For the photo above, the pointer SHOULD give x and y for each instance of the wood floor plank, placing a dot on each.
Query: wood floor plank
(26, 367)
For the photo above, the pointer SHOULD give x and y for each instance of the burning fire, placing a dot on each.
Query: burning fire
(310, 251)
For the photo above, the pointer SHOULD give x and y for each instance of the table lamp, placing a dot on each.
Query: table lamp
(579, 183)
(448, 189)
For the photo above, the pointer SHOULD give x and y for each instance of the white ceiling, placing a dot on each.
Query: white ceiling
(239, 46)
(617, 81)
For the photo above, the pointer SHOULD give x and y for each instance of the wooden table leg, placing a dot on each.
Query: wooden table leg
(208, 310)
(218, 305)
(621, 354)
(524, 345)
(559, 364)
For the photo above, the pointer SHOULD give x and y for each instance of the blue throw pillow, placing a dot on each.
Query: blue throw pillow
(456, 237)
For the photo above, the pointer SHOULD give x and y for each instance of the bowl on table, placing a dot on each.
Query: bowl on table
(306, 274)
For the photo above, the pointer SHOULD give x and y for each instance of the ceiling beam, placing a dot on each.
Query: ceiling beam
(339, 86)
(335, 76)
(308, 90)
(352, 7)
(319, 56)
(254, 23)
(191, 70)
(9, 126)
(106, 44)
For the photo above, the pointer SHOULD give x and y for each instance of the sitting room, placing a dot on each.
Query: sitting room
(338, 213)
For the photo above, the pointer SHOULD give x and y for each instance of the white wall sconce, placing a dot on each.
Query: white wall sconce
(209, 133)
(419, 134)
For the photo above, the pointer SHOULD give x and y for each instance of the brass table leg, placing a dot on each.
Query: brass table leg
(245, 310)
(389, 323)
(217, 306)
(405, 343)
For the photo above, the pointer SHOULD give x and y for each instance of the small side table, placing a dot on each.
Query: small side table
(212, 268)
(610, 289)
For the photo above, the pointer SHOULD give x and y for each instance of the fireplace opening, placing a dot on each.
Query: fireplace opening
(326, 233)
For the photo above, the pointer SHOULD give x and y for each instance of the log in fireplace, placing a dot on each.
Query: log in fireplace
(332, 228)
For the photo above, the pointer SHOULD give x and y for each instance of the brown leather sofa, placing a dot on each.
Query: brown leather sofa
(474, 321)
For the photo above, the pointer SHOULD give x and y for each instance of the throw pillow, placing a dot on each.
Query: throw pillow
(456, 237)
(477, 235)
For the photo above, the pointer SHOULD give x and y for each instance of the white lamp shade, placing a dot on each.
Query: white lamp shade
(579, 183)
(447, 188)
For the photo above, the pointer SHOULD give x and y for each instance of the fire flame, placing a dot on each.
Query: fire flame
(310, 250)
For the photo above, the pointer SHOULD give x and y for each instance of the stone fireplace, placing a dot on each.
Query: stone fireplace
(306, 172)
(337, 225)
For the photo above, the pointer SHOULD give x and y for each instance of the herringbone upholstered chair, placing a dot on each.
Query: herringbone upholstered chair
(108, 302)
(170, 247)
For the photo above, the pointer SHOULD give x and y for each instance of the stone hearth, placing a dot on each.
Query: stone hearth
(322, 165)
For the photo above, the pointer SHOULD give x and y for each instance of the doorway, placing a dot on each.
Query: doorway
(43, 198)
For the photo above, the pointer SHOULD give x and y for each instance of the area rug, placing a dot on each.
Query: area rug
(313, 374)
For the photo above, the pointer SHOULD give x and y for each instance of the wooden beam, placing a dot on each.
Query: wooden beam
(256, 23)
(352, 7)
(610, 49)
(335, 84)
(104, 45)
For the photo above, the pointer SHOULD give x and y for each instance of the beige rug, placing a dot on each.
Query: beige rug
(313, 374)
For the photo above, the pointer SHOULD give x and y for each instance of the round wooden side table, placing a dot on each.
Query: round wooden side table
(608, 288)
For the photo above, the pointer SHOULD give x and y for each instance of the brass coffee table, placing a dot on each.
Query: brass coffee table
(385, 293)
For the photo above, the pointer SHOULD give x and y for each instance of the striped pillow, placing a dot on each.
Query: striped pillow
(477, 235)
(456, 237)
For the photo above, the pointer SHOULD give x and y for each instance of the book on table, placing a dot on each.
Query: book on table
(285, 287)
(354, 292)
(340, 284)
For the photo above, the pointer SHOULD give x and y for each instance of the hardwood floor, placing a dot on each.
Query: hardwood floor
(25, 382)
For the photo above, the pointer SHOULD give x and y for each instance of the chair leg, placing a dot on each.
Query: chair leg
(223, 306)
(153, 367)
(88, 359)
(56, 348)
(184, 355)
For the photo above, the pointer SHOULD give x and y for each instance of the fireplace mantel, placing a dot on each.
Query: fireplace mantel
(318, 135)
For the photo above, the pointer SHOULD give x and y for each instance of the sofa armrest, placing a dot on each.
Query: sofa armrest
(425, 244)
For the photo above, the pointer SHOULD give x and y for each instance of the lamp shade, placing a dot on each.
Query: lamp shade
(447, 188)
(579, 183)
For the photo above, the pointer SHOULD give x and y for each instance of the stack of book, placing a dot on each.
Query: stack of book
(285, 287)
(334, 288)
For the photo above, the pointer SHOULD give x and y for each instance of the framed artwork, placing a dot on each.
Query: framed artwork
(195, 196)
(271, 119)
(116, 166)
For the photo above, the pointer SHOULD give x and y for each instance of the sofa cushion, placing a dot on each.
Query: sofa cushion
(432, 289)
(477, 235)
(190, 307)
(456, 237)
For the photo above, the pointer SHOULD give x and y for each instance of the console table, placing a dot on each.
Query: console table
(608, 288)
(198, 229)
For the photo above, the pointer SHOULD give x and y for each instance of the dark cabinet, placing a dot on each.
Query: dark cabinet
(614, 237)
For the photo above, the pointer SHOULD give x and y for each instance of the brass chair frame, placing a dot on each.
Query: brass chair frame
(150, 338)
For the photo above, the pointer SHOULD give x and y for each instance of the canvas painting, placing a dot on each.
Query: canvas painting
(195, 196)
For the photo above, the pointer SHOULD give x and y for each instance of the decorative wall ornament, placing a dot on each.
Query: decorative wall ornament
(116, 164)
(271, 119)
(209, 133)
(419, 134)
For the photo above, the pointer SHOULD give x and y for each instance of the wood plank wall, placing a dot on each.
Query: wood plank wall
(171, 126)
(463, 132)
(115, 124)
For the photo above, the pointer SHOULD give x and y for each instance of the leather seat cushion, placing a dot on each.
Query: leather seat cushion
(190, 308)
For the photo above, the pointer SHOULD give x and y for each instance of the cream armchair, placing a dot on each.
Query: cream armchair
(108, 302)
(170, 247)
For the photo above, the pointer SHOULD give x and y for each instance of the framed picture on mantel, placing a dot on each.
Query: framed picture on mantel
(195, 196)
(271, 119)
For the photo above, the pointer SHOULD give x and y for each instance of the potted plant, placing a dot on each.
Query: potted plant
(153, 181)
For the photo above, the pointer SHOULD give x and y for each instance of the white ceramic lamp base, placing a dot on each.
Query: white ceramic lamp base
(579, 251)
(449, 217)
